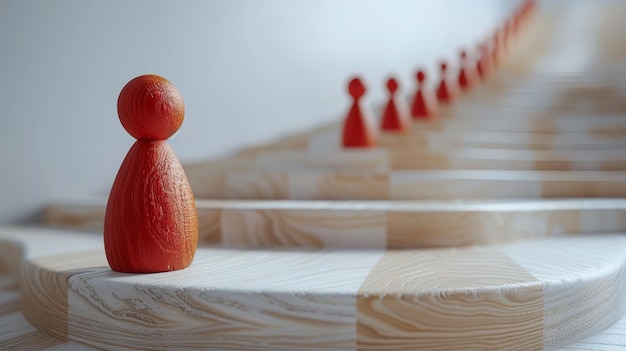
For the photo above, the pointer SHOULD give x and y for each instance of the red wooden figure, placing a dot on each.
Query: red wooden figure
(151, 223)
(358, 128)
(465, 79)
(444, 91)
(423, 105)
(396, 114)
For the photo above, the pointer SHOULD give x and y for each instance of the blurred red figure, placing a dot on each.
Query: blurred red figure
(465, 77)
(396, 114)
(444, 91)
(423, 105)
(358, 128)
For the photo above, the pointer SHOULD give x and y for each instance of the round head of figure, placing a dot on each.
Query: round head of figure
(356, 88)
(150, 108)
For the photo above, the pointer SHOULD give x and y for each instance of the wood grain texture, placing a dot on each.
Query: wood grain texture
(610, 339)
(427, 185)
(561, 272)
(477, 298)
(261, 185)
(50, 294)
(206, 182)
(449, 300)
(32, 245)
(405, 158)
(319, 185)
(22, 336)
(314, 228)
(436, 139)
(405, 185)
(223, 304)
(17, 334)
(346, 158)
(387, 224)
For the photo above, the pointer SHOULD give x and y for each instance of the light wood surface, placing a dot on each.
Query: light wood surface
(436, 140)
(535, 294)
(376, 224)
(594, 129)
(331, 184)
(431, 151)
(408, 157)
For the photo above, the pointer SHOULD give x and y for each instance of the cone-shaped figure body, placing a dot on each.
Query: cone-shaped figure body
(465, 78)
(444, 90)
(358, 129)
(151, 222)
(396, 114)
(423, 105)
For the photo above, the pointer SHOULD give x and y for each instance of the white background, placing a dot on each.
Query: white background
(248, 71)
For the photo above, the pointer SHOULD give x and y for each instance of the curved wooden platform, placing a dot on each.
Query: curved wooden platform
(406, 157)
(435, 140)
(534, 295)
(302, 184)
(377, 224)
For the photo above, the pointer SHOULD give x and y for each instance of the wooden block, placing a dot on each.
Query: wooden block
(261, 185)
(211, 183)
(354, 185)
(313, 228)
(439, 300)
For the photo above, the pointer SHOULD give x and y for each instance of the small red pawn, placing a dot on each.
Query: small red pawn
(465, 80)
(396, 114)
(444, 91)
(151, 222)
(423, 105)
(358, 128)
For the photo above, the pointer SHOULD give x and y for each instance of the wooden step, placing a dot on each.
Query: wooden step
(535, 295)
(376, 224)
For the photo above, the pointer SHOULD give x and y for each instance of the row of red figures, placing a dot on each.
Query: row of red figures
(359, 129)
